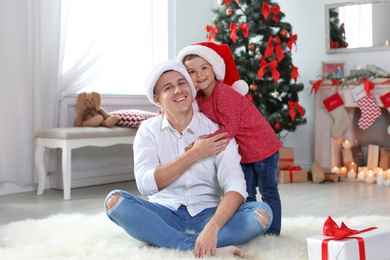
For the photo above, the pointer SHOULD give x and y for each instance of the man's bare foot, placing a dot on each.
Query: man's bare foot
(146, 246)
(231, 250)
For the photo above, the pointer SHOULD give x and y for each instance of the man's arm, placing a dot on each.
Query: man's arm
(206, 243)
(203, 147)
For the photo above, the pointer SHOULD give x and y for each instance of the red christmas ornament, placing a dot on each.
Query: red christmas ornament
(229, 11)
(253, 87)
(277, 126)
(345, 44)
(249, 97)
(283, 33)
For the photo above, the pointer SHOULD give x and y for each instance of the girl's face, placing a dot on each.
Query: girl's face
(202, 74)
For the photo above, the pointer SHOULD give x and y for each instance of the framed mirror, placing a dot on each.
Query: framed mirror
(357, 26)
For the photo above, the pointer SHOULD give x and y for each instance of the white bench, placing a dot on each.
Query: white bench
(72, 138)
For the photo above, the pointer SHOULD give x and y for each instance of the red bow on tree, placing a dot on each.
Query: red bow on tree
(270, 48)
(334, 44)
(267, 10)
(291, 41)
(214, 31)
(294, 73)
(273, 68)
(233, 29)
(293, 106)
(227, 2)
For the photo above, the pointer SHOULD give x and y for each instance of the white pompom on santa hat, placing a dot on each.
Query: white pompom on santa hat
(221, 59)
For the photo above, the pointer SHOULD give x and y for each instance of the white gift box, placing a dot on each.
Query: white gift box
(376, 245)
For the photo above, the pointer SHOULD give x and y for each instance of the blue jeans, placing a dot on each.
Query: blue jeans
(159, 226)
(264, 174)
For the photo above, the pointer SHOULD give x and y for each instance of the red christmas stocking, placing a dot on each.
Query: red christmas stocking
(386, 104)
(335, 105)
(370, 111)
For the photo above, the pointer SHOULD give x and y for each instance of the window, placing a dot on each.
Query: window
(115, 42)
(358, 25)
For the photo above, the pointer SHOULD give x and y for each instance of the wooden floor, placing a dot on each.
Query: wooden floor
(341, 199)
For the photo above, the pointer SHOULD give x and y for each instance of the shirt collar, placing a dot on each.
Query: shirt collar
(191, 127)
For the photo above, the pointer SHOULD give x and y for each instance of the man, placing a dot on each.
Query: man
(196, 195)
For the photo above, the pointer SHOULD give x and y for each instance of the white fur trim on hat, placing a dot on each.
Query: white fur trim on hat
(241, 87)
(208, 54)
(155, 73)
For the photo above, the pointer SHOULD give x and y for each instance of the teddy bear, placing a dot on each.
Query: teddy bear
(89, 112)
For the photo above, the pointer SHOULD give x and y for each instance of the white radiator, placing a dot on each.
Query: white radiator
(98, 165)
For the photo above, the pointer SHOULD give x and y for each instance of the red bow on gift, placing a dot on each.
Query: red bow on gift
(293, 106)
(273, 68)
(368, 85)
(214, 31)
(338, 233)
(292, 168)
(233, 29)
(267, 10)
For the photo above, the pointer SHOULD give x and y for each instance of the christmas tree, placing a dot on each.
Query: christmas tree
(261, 44)
(337, 31)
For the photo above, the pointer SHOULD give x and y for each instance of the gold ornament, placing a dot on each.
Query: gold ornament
(253, 87)
(229, 11)
(275, 94)
(259, 56)
(252, 46)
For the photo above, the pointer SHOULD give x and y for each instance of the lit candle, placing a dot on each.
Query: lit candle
(379, 178)
(377, 170)
(335, 170)
(370, 178)
(387, 182)
(343, 171)
(351, 174)
(361, 175)
(346, 144)
(353, 166)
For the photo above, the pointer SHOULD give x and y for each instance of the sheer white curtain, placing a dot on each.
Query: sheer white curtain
(29, 81)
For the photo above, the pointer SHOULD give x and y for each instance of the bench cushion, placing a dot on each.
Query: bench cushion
(85, 132)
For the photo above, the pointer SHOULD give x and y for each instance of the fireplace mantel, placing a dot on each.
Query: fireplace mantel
(327, 150)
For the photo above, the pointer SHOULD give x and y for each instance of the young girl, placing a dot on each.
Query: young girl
(221, 98)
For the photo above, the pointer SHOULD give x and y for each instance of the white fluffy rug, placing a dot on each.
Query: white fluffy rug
(80, 236)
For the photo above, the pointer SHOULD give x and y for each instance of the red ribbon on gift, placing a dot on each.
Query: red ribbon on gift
(293, 106)
(292, 168)
(233, 29)
(273, 68)
(338, 233)
(368, 85)
(214, 31)
(267, 10)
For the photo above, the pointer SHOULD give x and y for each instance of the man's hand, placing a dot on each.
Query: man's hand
(206, 243)
(206, 147)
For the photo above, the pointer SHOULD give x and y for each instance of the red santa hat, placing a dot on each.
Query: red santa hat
(221, 59)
